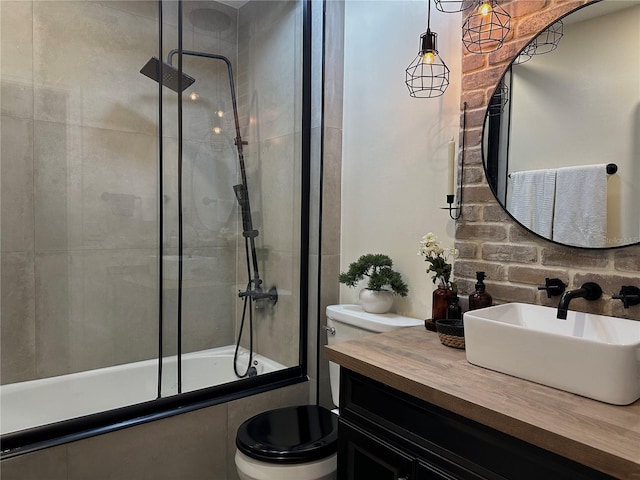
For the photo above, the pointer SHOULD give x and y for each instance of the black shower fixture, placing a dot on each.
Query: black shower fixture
(155, 70)
(169, 76)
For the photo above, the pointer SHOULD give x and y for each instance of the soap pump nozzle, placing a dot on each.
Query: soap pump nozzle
(480, 281)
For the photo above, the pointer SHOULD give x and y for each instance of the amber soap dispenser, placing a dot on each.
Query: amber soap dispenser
(480, 298)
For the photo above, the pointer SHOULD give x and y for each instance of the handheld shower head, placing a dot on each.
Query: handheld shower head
(154, 69)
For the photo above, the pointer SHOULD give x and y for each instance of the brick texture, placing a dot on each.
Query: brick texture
(481, 232)
(535, 275)
(474, 98)
(494, 213)
(505, 252)
(559, 255)
(478, 194)
(517, 261)
(627, 259)
(473, 156)
(474, 174)
(502, 293)
(522, 9)
(466, 249)
(473, 62)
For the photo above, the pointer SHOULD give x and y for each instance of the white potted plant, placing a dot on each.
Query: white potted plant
(382, 285)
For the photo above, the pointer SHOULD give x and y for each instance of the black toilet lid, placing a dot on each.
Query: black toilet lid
(289, 435)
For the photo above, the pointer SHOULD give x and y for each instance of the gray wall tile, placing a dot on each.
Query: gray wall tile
(52, 313)
(191, 446)
(17, 184)
(16, 41)
(18, 339)
(16, 97)
(49, 464)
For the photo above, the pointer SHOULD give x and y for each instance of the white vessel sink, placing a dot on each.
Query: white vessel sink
(591, 355)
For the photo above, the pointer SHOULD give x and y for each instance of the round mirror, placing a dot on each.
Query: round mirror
(561, 140)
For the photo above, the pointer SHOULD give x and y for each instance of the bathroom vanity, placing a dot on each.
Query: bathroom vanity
(411, 408)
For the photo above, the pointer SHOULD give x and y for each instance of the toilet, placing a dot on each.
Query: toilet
(300, 443)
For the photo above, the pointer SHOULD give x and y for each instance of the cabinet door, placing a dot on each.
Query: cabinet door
(429, 472)
(362, 456)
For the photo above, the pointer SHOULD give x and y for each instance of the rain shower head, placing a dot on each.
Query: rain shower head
(154, 69)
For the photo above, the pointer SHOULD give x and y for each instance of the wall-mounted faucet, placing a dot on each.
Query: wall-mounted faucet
(589, 291)
(553, 286)
(258, 295)
(629, 295)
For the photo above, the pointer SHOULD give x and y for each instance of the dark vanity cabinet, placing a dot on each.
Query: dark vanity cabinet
(364, 456)
(386, 434)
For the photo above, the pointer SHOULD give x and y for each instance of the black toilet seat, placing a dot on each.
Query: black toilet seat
(289, 435)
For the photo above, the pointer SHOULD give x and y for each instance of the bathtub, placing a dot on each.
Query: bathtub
(40, 402)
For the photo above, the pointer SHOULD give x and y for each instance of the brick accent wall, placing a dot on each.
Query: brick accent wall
(516, 261)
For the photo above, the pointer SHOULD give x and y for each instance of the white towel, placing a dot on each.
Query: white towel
(532, 199)
(580, 216)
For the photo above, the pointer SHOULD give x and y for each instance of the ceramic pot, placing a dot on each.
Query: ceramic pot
(376, 301)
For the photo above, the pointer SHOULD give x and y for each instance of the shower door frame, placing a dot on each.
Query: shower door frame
(37, 438)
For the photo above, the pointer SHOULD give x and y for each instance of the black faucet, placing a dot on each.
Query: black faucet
(553, 287)
(589, 291)
(629, 295)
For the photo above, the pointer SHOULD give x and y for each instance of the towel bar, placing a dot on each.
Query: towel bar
(611, 169)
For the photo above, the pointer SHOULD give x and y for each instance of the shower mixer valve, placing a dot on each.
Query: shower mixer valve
(259, 294)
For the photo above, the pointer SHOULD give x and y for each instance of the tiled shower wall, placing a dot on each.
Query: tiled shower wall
(516, 261)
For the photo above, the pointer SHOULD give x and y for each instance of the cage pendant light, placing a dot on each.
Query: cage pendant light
(453, 6)
(523, 57)
(547, 41)
(427, 76)
(499, 100)
(486, 28)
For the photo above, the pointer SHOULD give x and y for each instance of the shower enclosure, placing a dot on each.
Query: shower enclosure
(143, 230)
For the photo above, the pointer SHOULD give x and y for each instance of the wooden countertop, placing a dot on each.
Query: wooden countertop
(601, 436)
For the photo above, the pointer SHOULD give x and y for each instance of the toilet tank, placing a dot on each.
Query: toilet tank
(350, 322)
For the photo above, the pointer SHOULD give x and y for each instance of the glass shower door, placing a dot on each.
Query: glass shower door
(79, 211)
(239, 137)
(127, 261)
